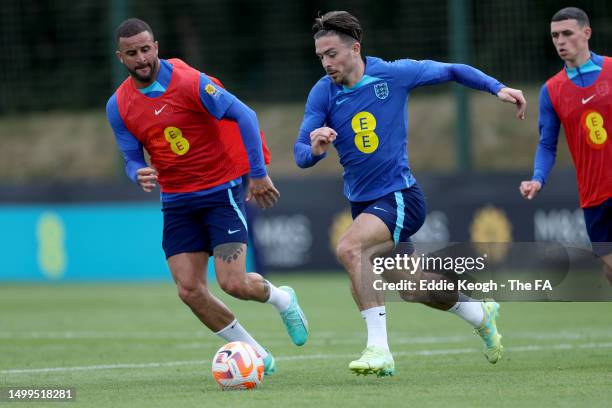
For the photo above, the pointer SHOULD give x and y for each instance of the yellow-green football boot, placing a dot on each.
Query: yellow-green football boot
(488, 331)
(374, 360)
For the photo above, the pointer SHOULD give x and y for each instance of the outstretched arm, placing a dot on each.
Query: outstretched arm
(476, 79)
(427, 72)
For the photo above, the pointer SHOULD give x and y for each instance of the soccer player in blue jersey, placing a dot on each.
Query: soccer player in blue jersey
(360, 107)
(579, 98)
(176, 113)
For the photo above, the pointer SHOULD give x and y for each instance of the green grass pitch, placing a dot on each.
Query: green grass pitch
(137, 345)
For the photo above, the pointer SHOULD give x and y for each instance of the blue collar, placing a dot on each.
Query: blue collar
(162, 81)
(365, 79)
(592, 65)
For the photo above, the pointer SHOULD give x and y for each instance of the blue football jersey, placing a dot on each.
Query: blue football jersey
(371, 120)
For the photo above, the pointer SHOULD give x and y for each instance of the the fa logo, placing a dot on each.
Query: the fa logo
(602, 88)
(381, 90)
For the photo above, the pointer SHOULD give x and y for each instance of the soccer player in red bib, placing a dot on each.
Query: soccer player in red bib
(193, 130)
(580, 98)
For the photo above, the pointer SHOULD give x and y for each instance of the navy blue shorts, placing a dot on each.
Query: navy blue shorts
(200, 224)
(598, 220)
(403, 212)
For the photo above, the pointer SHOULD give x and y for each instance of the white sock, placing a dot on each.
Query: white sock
(278, 298)
(469, 310)
(376, 322)
(235, 332)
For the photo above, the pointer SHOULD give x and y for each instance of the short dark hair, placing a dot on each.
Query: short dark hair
(572, 13)
(341, 23)
(131, 27)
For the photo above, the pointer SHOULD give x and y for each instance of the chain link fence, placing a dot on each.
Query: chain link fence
(59, 54)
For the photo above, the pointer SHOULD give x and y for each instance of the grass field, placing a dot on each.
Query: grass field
(136, 345)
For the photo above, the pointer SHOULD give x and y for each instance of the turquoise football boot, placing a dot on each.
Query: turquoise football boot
(269, 364)
(294, 319)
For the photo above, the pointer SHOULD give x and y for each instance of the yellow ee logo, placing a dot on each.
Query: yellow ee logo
(178, 143)
(364, 124)
(596, 133)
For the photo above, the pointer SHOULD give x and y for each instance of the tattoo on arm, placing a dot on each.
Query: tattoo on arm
(229, 252)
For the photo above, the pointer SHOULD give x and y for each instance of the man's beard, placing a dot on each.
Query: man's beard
(141, 78)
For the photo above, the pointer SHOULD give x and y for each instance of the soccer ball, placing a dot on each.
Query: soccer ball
(236, 366)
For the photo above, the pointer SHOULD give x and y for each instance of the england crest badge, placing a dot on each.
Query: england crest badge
(381, 90)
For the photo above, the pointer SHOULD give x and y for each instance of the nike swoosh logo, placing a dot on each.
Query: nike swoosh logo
(382, 314)
(587, 99)
(381, 209)
(232, 232)
(341, 101)
(157, 112)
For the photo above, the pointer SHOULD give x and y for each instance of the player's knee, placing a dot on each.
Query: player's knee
(347, 252)
(235, 287)
(192, 293)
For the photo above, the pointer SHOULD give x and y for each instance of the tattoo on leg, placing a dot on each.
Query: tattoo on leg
(228, 252)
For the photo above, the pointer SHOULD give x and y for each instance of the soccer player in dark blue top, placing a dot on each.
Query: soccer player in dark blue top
(360, 107)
